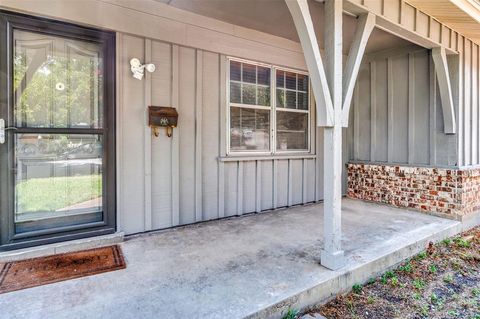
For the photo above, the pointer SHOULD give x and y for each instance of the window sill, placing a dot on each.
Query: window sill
(242, 158)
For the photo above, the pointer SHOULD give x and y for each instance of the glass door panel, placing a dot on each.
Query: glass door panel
(57, 175)
(57, 82)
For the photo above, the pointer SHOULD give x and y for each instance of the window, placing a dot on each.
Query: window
(268, 109)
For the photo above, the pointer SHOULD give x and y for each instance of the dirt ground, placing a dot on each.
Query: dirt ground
(441, 282)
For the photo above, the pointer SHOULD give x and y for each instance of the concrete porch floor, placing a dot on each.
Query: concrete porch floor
(254, 266)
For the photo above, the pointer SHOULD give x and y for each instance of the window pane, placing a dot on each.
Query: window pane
(280, 98)
(250, 129)
(57, 82)
(248, 94)
(280, 79)
(291, 99)
(263, 97)
(302, 82)
(291, 80)
(263, 75)
(302, 101)
(57, 175)
(292, 130)
(249, 73)
(235, 71)
(235, 92)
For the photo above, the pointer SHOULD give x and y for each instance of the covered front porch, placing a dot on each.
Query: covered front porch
(253, 266)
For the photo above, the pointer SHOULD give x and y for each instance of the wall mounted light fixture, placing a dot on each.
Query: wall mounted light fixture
(138, 68)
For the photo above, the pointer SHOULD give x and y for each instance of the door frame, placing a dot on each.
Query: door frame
(8, 239)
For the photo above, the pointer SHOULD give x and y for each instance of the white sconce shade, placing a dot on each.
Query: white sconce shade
(138, 68)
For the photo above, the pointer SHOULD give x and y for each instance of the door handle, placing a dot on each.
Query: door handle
(3, 129)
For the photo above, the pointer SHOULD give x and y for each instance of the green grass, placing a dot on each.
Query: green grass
(54, 193)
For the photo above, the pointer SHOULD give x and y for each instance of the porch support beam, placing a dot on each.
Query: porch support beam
(303, 23)
(441, 69)
(365, 26)
(332, 255)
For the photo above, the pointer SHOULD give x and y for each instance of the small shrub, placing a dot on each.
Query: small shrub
(432, 268)
(370, 300)
(447, 241)
(406, 268)
(394, 281)
(460, 242)
(418, 284)
(417, 296)
(357, 288)
(421, 255)
(291, 314)
(434, 298)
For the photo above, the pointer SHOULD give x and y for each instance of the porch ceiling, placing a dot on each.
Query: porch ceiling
(273, 17)
(461, 15)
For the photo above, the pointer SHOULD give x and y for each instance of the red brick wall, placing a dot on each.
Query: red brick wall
(454, 192)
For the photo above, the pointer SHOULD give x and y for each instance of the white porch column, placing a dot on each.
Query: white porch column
(332, 255)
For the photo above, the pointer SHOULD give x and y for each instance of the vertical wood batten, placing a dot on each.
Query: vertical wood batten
(460, 48)
(274, 183)
(411, 108)
(147, 137)
(304, 181)
(373, 110)
(290, 183)
(175, 147)
(222, 103)
(239, 188)
(467, 101)
(258, 186)
(356, 122)
(390, 109)
(432, 112)
(198, 135)
(474, 90)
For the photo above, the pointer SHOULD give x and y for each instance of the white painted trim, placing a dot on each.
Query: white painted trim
(303, 23)
(147, 156)
(443, 76)
(273, 108)
(365, 26)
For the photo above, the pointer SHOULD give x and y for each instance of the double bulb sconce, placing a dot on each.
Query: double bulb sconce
(138, 69)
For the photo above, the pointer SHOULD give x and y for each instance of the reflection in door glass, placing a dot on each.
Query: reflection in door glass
(57, 175)
(57, 85)
(57, 81)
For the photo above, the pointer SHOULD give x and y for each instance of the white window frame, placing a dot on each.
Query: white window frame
(272, 108)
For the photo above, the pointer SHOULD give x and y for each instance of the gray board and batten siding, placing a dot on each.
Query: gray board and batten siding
(188, 178)
(396, 116)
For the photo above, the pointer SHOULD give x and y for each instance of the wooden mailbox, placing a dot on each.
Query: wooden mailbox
(162, 116)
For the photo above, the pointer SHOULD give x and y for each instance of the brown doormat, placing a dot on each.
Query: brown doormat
(46, 270)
